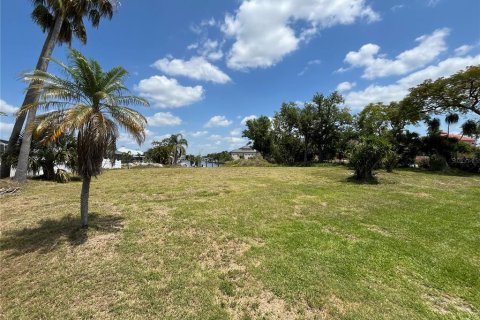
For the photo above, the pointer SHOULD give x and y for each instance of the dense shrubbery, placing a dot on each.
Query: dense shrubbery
(368, 155)
(253, 162)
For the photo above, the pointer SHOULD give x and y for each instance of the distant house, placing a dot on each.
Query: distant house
(471, 141)
(245, 152)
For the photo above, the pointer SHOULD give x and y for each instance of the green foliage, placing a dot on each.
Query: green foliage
(471, 128)
(259, 131)
(252, 162)
(194, 159)
(93, 103)
(437, 162)
(373, 120)
(45, 12)
(178, 145)
(457, 93)
(390, 161)
(161, 152)
(318, 130)
(220, 157)
(167, 151)
(368, 155)
(46, 155)
(62, 176)
(331, 124)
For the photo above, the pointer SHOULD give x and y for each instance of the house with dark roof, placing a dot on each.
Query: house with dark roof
(245, 152)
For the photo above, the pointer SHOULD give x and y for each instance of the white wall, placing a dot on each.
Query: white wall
(106, 164)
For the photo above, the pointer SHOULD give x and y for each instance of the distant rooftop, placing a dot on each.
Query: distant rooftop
(458, 137)
(244, 149)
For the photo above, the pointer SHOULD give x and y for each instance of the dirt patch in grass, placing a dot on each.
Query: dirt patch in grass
(378, 230)
(446, 304)
(243, 296)
(340, 233)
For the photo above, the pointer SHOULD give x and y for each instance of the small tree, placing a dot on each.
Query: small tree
(126, 157)
(367, 155)
(92, 103)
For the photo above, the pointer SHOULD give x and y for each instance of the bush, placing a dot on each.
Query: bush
(253, 162)
(62, 176)
(390, 161)
(437, 163)
(367, 155)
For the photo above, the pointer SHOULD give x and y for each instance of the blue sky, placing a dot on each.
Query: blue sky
(207, 65)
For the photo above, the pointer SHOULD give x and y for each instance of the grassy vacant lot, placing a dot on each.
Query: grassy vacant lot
(244, 243)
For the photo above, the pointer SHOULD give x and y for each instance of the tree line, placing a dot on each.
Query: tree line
(322, 129)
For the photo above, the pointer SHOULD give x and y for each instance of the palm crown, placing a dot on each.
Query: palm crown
(88, 101)
(45, 11)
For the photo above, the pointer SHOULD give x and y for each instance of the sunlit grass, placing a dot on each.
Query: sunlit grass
(244, 243)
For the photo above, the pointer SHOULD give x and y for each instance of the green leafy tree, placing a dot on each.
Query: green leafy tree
(459, 93)
(259, 131)
(62, 20)
(161, 152)
(220, 157)
(126, 157)
(93, 104)
(331, 122)
(287, 145)
(374, 119)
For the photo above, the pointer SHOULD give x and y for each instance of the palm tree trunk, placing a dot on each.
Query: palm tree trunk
(84, 201)
(31, 97)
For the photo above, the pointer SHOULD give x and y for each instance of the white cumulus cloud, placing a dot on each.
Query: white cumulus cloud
(376, 65)
(197, 68)
(218, 121)
(168, 93)
(250, 117)
(7, 108)
(263, 30)
(164, 119)
(399, 89)
(463, 50)
(197, 134)
(345, 86)
(5, 130)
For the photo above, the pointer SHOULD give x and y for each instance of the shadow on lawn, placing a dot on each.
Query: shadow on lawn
(50, 233)
(354, 180)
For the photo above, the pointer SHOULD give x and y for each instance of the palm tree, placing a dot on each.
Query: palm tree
(433, 126)
(451, 118)
(470, 128)
(178, 144)
(92, 103)
(62, 20)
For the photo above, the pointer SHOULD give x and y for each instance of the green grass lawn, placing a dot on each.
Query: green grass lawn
(244, 243)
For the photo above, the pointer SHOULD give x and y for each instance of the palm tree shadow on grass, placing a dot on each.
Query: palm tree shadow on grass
(51, 233)
(353, 179)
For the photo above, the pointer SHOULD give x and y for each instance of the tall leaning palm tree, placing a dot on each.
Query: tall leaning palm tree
(62, 20)
(451, 118)
(93, 104)
(178, 143)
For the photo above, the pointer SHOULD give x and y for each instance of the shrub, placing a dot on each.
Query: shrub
(62, 176)
(437, 163)
(367, 155)
(390, 161)
(252, 162)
